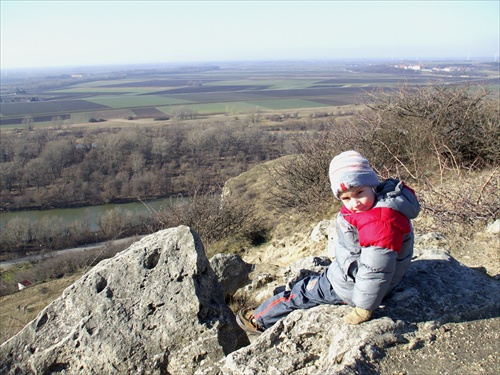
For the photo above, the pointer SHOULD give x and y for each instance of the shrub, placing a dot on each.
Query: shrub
(413, 133)
(412, 130)
(466, 199)
(302, 181)
(214, 218)
(461, 206)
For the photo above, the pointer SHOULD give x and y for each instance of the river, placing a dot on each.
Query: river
(68, 215)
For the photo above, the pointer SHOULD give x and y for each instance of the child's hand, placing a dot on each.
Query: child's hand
(358, 315)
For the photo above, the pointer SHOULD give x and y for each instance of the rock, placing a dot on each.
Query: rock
(493, 228)
(431, 240)
(326, 230)
(436, 290)
(155, 308)
(314, 341)
(332, 239)
(310, 266)
(231, 271)
(320, 231)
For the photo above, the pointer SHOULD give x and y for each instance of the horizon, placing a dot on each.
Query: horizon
(77, 34)
(225, 64)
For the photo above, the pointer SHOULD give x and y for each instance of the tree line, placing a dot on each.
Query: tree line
(68, 168)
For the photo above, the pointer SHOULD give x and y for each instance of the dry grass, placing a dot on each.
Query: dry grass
(13, 314)
(460, 207)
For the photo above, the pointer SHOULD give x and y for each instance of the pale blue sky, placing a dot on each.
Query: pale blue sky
(77, 33)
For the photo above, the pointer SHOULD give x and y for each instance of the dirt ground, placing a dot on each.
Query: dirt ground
(458, 349)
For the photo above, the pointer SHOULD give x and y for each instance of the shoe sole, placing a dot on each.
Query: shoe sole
(243, 326)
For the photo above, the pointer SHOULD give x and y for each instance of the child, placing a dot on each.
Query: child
(373, 251)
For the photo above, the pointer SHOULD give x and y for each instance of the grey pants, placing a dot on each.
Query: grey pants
(306, 293)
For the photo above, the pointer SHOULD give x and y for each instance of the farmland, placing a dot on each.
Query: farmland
(76, 96)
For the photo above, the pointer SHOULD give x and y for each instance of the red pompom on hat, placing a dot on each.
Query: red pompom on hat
(350, 169)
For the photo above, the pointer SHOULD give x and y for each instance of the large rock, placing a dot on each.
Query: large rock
(494, 228)
(155, 308)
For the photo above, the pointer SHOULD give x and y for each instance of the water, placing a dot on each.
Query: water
(69, 215)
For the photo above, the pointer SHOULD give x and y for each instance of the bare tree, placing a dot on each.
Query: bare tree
(28, 122)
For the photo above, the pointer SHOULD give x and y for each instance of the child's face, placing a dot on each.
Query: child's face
(358, 199)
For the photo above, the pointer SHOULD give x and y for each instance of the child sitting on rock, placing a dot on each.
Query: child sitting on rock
(373, 251)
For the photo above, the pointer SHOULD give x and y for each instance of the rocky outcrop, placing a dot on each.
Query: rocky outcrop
(158, 308)
(155, 308)
(436, 290)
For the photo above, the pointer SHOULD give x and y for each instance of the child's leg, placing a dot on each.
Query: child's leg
(306, 293)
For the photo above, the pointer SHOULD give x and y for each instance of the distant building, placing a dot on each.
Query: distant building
(410, 67)
(24, 284)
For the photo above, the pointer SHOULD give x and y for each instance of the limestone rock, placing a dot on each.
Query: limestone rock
(232, 272)
(155, 308)
(326, 230)
(431, 240)
(494, 228)
(320, 231)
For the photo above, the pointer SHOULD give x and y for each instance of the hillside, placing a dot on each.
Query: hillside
(106, 313)
(469, 347)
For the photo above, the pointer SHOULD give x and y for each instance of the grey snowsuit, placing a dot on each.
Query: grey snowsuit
(373, 252)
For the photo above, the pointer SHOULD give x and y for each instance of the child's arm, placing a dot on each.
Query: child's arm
(372, 281)
(397, 195)
(374, 276)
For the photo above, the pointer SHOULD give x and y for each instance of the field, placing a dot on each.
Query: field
(230, 89)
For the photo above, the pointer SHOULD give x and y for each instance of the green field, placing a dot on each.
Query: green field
(134, 101)
(233, 89)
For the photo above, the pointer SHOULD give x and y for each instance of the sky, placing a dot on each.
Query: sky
(41, 33)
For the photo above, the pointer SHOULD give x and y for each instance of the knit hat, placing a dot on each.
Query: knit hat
(350, 169)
